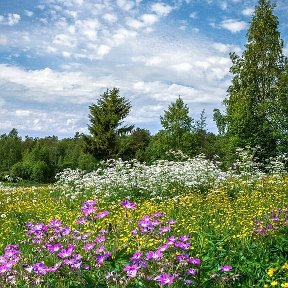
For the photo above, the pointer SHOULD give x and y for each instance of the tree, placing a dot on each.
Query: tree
(106, 118)
(176, 123)
(176, 133)
(252, 100)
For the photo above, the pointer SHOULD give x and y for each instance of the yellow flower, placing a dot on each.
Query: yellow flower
(285, 266)
(271, 271)
(274, 283)
(285, 285)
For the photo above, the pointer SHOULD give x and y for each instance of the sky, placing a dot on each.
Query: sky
(58, 56)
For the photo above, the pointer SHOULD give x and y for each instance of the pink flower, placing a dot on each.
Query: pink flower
(225, 268)
(128, 205)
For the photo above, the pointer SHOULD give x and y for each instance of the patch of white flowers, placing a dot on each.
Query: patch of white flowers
(116, 177)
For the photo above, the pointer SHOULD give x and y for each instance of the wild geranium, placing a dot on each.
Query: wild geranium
(165, 279)
(128, 205)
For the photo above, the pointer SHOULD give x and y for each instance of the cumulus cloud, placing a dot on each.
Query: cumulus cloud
(248, 11)
(161, 9)
(233, 25)
(10, 19)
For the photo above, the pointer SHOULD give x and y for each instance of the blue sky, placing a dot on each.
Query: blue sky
(58, 56)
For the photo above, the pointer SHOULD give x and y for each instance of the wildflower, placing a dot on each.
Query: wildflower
(182, 257)
(192, 271)
(131, 270)
(40, 268)
(271, 271)
(225, 268)
(195, 261)
(165, 279)
(64, 253)
(165, 229)
(100, 239)
(88, 247)
(274, 283)
(81, 221)
(154, 255)
(285, 266)
(284, 285)
(53, 248)
(102, 214)
(136, 256)
(128, 205)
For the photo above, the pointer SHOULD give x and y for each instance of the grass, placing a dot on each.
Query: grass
(222, 224)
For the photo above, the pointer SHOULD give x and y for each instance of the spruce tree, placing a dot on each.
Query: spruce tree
(106, 125)
(176, 123)
(253, 100)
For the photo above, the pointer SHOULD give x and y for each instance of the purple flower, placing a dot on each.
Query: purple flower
(165, 229)
(192, 271)
(64, 253)
(171, 222)
(88, 210)
(100, 239)
(100, 250)
(136, 256)
(182, 245)
(81, 221)
(102, 214)
(158, 214)
(128, 205)
(53, 248)
(4, 268)
(131, 270)
(165, 279)
(100, 258)
(55, 223)
(40, 268)
(88, 247)
(195, 261)
(184, 238)
(225, 268)
(154, 255)
(182, 258)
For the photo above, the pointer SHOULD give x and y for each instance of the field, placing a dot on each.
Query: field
(174, 223)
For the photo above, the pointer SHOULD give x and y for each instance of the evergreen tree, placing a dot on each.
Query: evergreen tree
(252, 100)
(176, 123)
(106, 118)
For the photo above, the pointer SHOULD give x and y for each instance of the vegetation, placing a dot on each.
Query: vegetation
(79, 233)
(255, 107)
(158, 216)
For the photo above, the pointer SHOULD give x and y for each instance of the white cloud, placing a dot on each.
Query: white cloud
(248, 11)
(103, 50)
(109, 17)
(10, 19)
(125, 4)
(134, 23)
(193, 15)
(161, 9)
(28, 13)
(226, 48)
(233, 25)
(149, 19)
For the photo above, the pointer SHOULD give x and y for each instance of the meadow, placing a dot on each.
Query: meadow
(180, 223)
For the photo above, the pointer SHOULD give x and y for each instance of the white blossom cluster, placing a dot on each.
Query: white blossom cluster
(162, 179)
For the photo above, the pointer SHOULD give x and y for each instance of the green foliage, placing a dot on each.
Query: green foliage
(253, 100)
(106, 119)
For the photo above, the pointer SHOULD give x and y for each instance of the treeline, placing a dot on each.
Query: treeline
(39, 159)
(256, 115)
